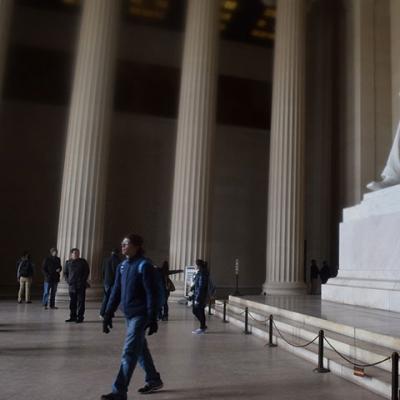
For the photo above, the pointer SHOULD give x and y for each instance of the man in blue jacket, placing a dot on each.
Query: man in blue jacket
(135, 290)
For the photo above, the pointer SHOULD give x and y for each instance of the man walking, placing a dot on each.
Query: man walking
(51, 268)
(109, 268)
(76, 273)
(135, 289)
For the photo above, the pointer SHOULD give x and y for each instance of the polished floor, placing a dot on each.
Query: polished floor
(43, 358)
(374, 320)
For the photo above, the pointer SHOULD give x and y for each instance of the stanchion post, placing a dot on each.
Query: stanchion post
(271, 331)
(320, 369)
(246, 321)
(224, 320)
(395, 376)
(209, 307)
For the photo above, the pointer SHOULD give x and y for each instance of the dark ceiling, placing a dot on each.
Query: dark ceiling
(249, 21)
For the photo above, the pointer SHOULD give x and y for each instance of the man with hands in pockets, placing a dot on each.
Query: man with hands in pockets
(135, 290)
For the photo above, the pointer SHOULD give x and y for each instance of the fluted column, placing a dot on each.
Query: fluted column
(86, 154)
(196, 125)
(6, 7)
(285, 234)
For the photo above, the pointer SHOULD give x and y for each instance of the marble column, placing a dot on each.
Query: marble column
(85, 165)
(285, 233)
(196, 126)
(6, 7)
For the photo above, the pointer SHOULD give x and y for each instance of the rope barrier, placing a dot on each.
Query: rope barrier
(321, 336)
(291, 344)
(352, 362)
(264, 321)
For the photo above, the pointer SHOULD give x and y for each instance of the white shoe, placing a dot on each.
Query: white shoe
(199, 331)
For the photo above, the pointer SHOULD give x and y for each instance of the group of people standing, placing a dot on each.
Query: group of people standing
(134, 284)
(51, 269)
(76, 274)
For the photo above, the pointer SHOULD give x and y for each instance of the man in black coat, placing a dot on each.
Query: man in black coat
(109, 268)
(76, 273)
(51, 268)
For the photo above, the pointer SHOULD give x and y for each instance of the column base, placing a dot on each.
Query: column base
(284, 288)
(94, 293)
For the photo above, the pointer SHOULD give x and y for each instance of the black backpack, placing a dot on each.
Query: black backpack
(25, 269)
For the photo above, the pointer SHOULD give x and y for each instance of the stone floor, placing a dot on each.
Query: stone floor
(374, 320)
(42, 358)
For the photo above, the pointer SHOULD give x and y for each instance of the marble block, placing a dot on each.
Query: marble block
(369, 253)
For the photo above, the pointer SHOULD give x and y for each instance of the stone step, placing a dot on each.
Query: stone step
(377, 380)
(390, 342)
(357, 350)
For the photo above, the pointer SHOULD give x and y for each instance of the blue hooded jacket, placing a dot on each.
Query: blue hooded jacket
(135, 289)
(200, 287)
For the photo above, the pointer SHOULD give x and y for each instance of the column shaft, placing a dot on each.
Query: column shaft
(196, 125)
(285, 236)
(6, 7)
(85, 165)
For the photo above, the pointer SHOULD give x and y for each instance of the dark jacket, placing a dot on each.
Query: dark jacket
(76, 273)
(109, 268)
(51, 268)
(314, 273)
(24, 268)
(325, 273)
(135, 289)
(200, 287)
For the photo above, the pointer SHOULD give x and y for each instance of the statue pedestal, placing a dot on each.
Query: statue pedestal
(369, 253)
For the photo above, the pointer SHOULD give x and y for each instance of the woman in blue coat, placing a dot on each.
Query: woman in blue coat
(200, 294)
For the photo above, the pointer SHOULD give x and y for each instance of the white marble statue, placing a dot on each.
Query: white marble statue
(391, 173)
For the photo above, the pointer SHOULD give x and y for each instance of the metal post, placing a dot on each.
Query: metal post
(246, 321)
(271, 331)
(395, 376)
(237, 292)
(224, 315)
(320, 369)
(209, 307)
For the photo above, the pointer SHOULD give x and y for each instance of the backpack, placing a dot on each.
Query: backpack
(24, 269)
(160, 294)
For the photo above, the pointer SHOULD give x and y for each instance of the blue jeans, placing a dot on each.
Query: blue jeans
(135, 350)
(49, 290)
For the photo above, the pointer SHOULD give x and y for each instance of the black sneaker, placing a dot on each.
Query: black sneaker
(113, 396)
(70, 320)
(79, 321)
(165, 318)
(54, 308)
(147, 389)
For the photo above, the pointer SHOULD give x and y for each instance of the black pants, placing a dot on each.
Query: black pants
(107, 293)
(164, 310)
(198, 311)
(77, 303)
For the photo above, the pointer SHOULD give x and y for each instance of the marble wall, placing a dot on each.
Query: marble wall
(395, 59)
